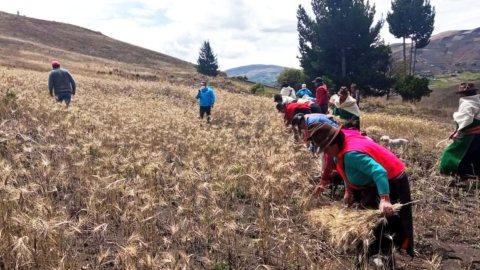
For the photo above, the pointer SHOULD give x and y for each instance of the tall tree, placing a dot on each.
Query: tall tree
(422, 26)
(399, 22)
(207, 62)
(342, 42)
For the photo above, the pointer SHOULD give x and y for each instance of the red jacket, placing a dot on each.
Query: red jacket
(380, 154)
(290, 110)
(321, 96)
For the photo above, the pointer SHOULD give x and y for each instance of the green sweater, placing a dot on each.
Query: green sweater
(456, 151)
(362, 170)
(347, 116)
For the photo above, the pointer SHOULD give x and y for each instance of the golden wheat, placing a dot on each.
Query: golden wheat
(129, 178)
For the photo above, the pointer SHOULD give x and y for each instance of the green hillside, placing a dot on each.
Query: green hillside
(265, 74)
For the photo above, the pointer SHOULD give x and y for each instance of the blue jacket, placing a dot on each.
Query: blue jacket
(207, 97)
(318, 118)
(303, 92)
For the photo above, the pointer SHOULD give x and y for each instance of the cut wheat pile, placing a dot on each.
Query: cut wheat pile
(347, 227)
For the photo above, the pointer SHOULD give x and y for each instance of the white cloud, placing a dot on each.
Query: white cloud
(241, 31)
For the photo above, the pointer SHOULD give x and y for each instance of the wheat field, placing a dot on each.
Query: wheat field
(128, 177)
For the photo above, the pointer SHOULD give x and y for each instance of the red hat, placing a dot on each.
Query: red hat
(55, 63)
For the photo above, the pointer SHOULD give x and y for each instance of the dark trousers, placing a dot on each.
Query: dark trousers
(205, 110)
(399, 227)
(324, 109)
(67, 97)
(315, 108)
(470, 164)
(304, 111)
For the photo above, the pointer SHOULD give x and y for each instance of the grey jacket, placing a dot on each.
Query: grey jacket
(61, 81)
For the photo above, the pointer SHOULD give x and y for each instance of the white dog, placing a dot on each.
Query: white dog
(395, 142)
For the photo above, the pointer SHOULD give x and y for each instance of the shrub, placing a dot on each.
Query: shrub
(10, 99)
(8, 102)
(413, 88)
(257, 89)
(328, 82)
(294, 77)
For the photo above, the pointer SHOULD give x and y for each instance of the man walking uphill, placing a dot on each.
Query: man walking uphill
(321, 95)
(61, 84)
(207, 100)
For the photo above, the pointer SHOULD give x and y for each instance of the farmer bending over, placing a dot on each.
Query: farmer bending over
(290, 110)
(375, 178)
(301, 122)
(61, 84)
(347, 108)
(281, 99)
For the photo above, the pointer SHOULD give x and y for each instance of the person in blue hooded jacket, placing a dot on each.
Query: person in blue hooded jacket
(207, 100)
(304, 92)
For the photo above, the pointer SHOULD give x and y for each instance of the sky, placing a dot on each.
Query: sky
(241, 32)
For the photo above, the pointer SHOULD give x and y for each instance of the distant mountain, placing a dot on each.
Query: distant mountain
(266, 74)
(447, 52)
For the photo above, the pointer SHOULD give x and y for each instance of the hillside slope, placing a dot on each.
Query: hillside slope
(447, 52)
(34, 35)
(266, 74)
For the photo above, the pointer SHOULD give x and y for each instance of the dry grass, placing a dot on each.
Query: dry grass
(129, 178)
(435, 262)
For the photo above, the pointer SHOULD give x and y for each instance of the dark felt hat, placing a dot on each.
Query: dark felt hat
(322, 134)
(466, 87)
(318, 80)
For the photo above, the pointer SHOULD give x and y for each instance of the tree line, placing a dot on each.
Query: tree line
(342, 42)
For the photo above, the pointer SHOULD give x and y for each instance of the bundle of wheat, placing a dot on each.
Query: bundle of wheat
(347, 227)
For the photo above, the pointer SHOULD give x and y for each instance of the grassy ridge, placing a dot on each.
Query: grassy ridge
(246, 86)
(449, 80)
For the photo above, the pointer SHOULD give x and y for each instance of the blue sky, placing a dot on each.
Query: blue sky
(241, 32)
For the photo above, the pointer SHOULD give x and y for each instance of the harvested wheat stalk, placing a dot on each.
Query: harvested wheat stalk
(347, 227)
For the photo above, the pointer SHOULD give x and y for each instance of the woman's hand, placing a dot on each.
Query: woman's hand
(452, 137)
(455, 136)
(385, 206)
(321, 188)
(348, 199)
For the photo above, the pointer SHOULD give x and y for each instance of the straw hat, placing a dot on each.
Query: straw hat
(466, 87)
(322, 134)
